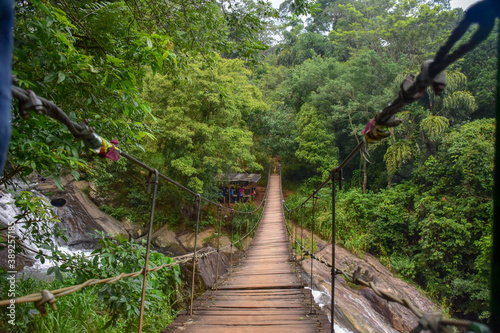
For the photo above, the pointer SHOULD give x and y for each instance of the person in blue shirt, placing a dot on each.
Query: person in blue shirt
(6, 29)
(234, 195)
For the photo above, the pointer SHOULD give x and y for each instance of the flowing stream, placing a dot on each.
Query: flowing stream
(323, 299)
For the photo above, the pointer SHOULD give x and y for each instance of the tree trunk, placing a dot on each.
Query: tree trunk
(365, 175)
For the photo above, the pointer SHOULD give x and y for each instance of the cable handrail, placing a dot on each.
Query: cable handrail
(433, 321)
(184, 188)
(28, 100)
(36, 297)
(49, 297)
(329, 178)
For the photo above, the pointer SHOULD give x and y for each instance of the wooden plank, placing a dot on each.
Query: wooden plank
(250, 303)
(251, 329)
(262, 312)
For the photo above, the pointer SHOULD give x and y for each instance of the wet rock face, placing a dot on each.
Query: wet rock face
(384, 308)
(79, 215)
(358, 308)
(208, 266)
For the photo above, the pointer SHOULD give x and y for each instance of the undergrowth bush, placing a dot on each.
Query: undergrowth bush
(104, 307)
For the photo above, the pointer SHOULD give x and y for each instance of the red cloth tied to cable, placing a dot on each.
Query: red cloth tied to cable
(375, 133)
(108, 150)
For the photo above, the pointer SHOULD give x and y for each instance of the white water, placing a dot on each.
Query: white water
(368, 313)
(8, 213)
(323, 298)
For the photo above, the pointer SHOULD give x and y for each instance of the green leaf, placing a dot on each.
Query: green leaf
(60, 77)
(478, 328)
(114, 60)
(121, 238)
(58, 182)
(49, 77)
(75, 174)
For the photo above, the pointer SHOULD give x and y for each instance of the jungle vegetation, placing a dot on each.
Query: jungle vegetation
(198, 88)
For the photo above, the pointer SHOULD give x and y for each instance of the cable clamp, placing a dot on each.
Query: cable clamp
(90, 138)
(357, 275)
(374, 132)
(33, 104)
(424, 79)
(47, 297)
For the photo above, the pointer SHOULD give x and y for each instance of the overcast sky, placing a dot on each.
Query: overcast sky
(462, 3)
(454, 3)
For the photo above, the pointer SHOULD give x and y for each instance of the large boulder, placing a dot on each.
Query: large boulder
(134, 230)
(166, 239)
(207, 265)
(80, 216)
(224, 244)
(187, 240)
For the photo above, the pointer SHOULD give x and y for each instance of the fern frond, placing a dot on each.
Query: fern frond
(460, 100)
(398, 153)
(434, 126)
(96, 6)
(455, 81)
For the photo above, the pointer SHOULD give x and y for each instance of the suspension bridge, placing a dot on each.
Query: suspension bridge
(264, 293)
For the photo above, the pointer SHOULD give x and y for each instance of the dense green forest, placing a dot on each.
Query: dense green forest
(198, 88)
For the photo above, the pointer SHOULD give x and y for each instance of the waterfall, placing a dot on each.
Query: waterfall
(8, 213)
(323, 299)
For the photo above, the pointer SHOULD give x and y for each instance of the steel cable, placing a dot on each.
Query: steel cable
(28, 100)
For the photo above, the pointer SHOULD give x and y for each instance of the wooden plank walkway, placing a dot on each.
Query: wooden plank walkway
(263, 293)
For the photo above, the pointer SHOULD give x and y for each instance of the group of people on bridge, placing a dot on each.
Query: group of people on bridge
(237, 194)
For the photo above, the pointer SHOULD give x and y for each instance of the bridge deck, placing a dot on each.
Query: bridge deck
(263, 294)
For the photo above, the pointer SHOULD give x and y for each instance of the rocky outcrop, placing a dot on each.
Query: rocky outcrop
(80, 216)
(188, 240)
(306, 236)
(205, 275)
(183, 242)
(134, 230)
(208, 266)
(358, 308)
(166, 239)
(224, 244)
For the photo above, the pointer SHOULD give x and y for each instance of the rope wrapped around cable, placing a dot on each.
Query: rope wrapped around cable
(432, 74)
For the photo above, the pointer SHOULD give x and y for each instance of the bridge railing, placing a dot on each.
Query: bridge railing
(484, 14)
(432, 321)
(251, 225)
